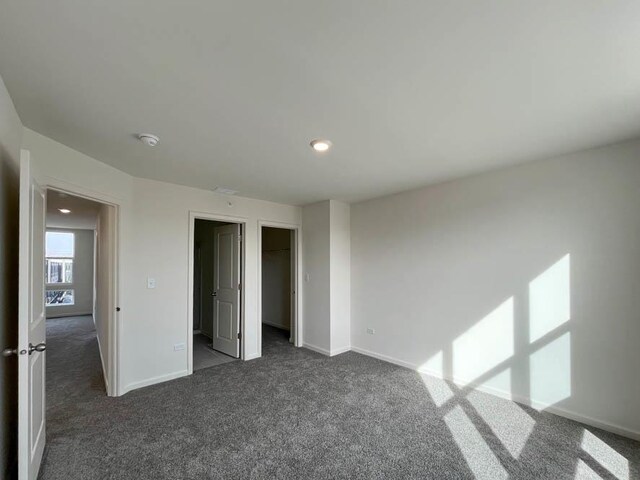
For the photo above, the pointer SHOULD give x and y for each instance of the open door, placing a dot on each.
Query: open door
(31, 324)
(226, 290)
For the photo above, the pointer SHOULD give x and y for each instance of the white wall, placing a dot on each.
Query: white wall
(525, 281)
(153, 238)
(326, 236)
(82, 277)
(316, 276)
(340, 264)
(10, 140)
(276, 277)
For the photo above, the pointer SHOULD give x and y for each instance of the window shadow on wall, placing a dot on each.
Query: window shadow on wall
(521, 351)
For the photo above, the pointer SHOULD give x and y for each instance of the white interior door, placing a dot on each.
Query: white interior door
(31, 324)
(226, 289)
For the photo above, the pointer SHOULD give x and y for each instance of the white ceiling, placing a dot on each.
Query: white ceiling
(410, 92)
(84, 213)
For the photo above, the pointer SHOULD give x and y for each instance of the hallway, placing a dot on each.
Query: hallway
(74, 371)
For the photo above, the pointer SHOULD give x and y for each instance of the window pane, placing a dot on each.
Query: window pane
(58, 270)
(59, 297)
(59, 244)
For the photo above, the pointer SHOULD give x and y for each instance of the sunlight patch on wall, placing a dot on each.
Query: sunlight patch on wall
(551, 372)
(481, 460)
(585, 472)
(605, 455)
(510, 423)
(485, 345)
(550, 299)
(439, 390)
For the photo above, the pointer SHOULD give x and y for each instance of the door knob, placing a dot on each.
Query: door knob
(214, 294)
(7, 352)
(41, 347)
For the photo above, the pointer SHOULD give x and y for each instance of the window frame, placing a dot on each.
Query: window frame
(73, 295)
(60, 285)
(53, 284)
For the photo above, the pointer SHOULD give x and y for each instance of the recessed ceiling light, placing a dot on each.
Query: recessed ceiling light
(320, 145)
(149, 139)
(66, 211)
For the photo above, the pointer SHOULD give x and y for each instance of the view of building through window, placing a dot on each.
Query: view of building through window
(59, 253)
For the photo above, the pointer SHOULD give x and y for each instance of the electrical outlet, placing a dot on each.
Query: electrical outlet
(178, 346)
(371, 331)
(151, 282)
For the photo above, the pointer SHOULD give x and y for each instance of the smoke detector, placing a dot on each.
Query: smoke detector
(149, 139)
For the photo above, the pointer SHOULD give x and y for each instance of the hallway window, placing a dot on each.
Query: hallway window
(59, 258)
(59, 297)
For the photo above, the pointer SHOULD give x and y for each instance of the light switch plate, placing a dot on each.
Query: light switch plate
(178, 346)
(151, 282)
(371, 331)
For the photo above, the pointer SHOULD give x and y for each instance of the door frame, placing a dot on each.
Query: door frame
(242, 221)
(112, 377)
(296, 324)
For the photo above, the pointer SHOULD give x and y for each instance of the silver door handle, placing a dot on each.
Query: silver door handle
(7, 352)
(41, 347)
(214, 294)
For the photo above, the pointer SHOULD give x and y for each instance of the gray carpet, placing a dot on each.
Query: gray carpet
(295, 414)
(204, 356)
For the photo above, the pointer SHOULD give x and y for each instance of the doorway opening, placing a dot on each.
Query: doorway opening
(278, 265)
(79, 281)
(217, 293)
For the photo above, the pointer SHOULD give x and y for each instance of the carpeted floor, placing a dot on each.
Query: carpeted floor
(296, 414)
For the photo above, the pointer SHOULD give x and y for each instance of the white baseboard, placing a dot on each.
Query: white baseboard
(338, 351)
(276, 325)
(251, 356)
(73, 314)
(154, 380)
(105, 374)
(321, 350)
(385, 358)
(609, 427)
(324, 351)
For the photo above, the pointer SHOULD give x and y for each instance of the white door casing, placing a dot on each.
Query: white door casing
(226, 293)
(292, 287)
(31, 324)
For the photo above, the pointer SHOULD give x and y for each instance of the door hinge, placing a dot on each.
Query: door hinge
(239, 238)
(239, 336)
(239, 286)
